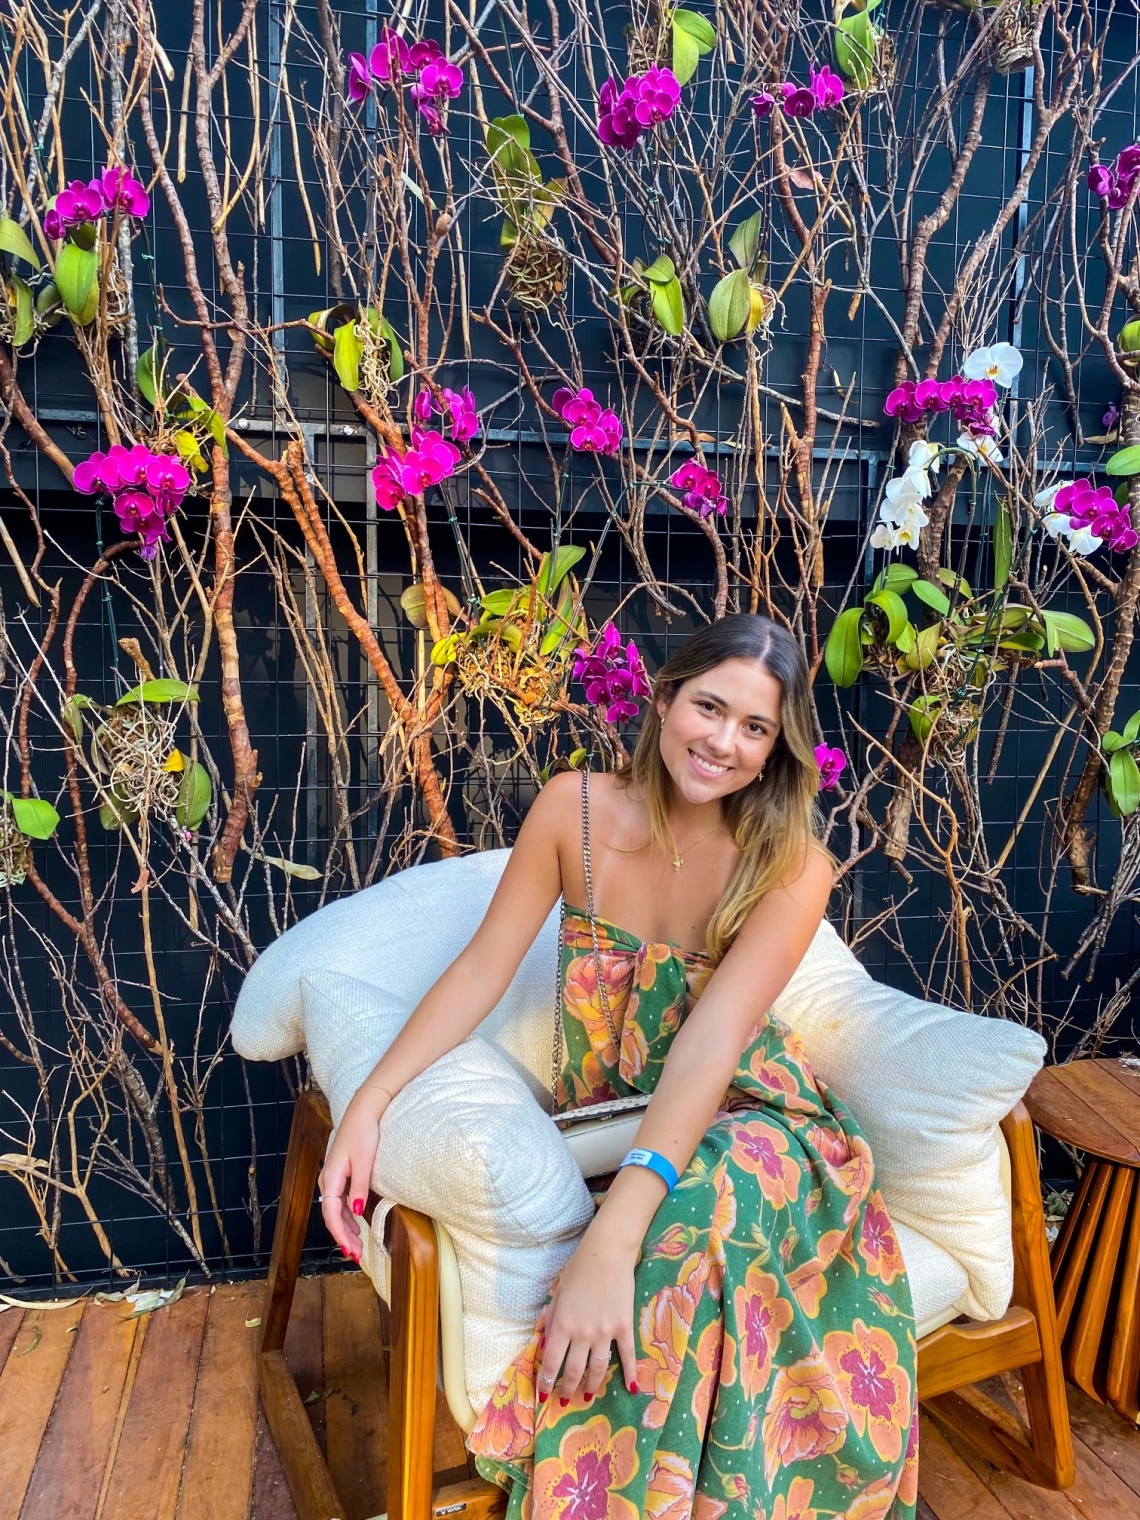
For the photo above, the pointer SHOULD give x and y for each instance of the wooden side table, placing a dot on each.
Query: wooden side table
(1095, 1106)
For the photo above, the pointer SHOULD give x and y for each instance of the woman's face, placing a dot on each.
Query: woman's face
(719, 729)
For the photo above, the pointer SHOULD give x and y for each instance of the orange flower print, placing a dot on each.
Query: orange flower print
(763, 1150)
(805, 1418)
(710, 1348)
(669, 1495)
(797, 1505)
(664, 1327)
(707, 1508)
(581, 1000)
(723, 1220)
(808, 1281)
(908, 1482)
(874, 1503)
(505, 1429)
(673, 1242)
(878, 1244)
(832, 1144)
(593, 1086)
(864, 1363)
(736, 1487)
(761, 1317)
(772, 1074)
(855, 1175)
(634, 1047)
(584, 1481)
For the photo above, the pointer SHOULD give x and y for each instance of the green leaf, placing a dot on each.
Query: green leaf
(932, 595)
(75, 277)
(1026, 640)
(72, 713)
(729, 306)
(1124, 783)
(552, 573)
(1112, 741)
(1125, 461)
(114, 813)
(1132, 729)
(14, 240)
(1064, 630)
(304, 873)
(922, 713)
(444, 650)
(669, 307)
(1003, 545)
(686, 55)
(856, 42)
(843, 653)
(24, 324)
(744, 245)
(146, 373)
(347, 351)
(661, 271)
(35, 818)
(697, 27)
(906, 639)
(162, 690)
(895, 577)
(499, 603)
(194, 796)
(502, 130)
(890, 603)
(926, 642)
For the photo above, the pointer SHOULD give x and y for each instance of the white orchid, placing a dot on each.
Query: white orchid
(1059, 525)
(1046, 498)
(1000, 362)
(983, 448)
(923, 456)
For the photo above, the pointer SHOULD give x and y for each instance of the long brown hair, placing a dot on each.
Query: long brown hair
(774, 819)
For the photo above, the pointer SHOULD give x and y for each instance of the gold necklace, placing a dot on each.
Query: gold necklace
(679, 860)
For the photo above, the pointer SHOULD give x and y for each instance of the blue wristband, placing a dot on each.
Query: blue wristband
(656, 1163)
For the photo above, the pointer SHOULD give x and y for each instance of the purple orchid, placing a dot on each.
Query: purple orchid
(388, 481)
(122, 191)
(146, 489)
(832, 763)
(458, 405)
(639, 104)
(593, 429)
(798, 99)
(763, 105)
(704, 493)
(612, 675)
(826, 86)
(1095, 508)
(429, 460)
(358, 82)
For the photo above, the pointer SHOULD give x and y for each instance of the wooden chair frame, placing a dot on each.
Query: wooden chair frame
(1026, 1338)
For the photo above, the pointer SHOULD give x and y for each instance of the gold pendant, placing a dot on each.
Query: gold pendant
(678, 862)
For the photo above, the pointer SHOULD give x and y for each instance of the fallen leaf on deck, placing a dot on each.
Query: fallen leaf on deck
(252, 1324)
(37, 1337)
(154, 1298)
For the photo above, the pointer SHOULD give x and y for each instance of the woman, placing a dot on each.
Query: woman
(765, 1355)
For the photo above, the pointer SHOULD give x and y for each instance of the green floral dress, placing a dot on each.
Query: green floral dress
(773, 1320)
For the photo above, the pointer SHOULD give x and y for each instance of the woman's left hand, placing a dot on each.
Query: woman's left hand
(592, 1308)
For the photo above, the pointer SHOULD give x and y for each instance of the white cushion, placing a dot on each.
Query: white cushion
(402, 934)
(936, 1280)
(467, 1144)
(928, 1085)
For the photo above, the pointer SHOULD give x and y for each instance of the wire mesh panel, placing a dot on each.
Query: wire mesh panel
(651, 368)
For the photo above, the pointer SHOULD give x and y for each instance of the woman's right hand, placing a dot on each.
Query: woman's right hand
(346, 1175)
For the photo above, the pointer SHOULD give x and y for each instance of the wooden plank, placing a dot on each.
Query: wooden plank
(1107, 1105)
(32, 1373)
(357, 1412)
(305, 1352)
(10, 1322)
(949, 1486)
(218, 1475)
(305, 1469)
(1086, 1332)
(144, 1480)
(1060, 1104)
(68, 1474)
(1116, 1443)
(271, 1497)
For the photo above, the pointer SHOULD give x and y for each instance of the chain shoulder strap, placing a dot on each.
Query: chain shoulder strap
(602, 990)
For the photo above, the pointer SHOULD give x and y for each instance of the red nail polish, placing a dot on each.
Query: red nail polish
(542, 1397)
(358, 1206)
(587, 1397)
(633, 1388)
(564, 1402)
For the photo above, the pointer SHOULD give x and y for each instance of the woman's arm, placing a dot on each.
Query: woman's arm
(595, 1291)
(454, 1005)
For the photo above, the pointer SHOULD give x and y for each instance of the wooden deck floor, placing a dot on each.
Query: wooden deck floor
(104, 1417)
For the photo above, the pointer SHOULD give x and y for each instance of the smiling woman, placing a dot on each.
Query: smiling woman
(684, 1335)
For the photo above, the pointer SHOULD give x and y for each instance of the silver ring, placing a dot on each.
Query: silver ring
(544, 1377)
(329, 1197)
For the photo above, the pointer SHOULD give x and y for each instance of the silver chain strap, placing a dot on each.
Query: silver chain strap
(602, 992)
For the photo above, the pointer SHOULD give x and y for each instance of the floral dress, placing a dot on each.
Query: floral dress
(772, 1314)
